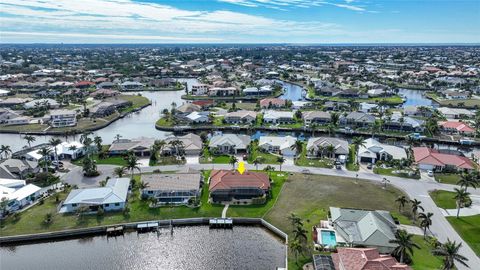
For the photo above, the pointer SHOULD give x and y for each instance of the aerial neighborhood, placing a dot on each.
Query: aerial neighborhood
(365, 157)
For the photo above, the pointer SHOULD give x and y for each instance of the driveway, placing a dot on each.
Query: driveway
(76, 177)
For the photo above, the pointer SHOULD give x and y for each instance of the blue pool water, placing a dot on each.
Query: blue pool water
(328, 238)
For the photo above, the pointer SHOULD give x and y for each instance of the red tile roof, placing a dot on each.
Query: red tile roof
(226, 179)
(203, 103)
(459, 126)
(425, 155)
(83, 83)
(275, 102)
(365, 259)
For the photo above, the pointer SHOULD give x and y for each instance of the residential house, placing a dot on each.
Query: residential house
(278, 117)
(21, 120)
(373, 150)
(188, 108)
(63, 118)
(131, 85)
(241, 117)
(177, 188)
(198, 117)
(399, 122)
(255, 91)
(7, 114)
(365, 259)
(103, 109)
(328, 91)
(199, 89)
(229, 143)
(454, 93)
(70, 150)
(268, 103)
(456, 113)
(104, 93)
(318, 146)
(357, 119)
(421, 111)
(232, 187)
(10, 102)
(368, 107)
(278, 145)
(454, 127)
(111, 197)
(50, 103)
(18, 194)
(191, 144)
(223, 91)
(365, 228)
(317, 117)
(141, 146)
(440, 160)
(17, 168)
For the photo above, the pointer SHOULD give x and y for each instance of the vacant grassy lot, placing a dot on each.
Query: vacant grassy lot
(31, 221)
(423, 258)
(310, 196)
(447, 178)
(469, 230)
(444, 199)
(137, 102)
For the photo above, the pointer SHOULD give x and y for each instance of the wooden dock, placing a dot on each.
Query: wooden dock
(221, 223)
(114, 231)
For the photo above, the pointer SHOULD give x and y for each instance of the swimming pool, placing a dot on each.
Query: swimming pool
(328, 238)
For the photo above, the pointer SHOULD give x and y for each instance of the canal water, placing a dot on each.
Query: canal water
(194, 247)
(416, 98)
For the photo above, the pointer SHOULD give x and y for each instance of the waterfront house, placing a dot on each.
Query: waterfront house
(317, 117)
(103, 109)
(241, 117)
(454, 93)
(17, 168)
(365, 259)
(131, 85)
(177, 188)
(364, 228)
(223, 91)
(70, 150)
(229, 143)
(268, 103)
(278, 145)
(455, 127)
(399, 122)
(140, 146)
(63, 118)
(456, 113)
(357, 119)
(111, 197)
(188, 108)
(227, 186)
(191, 144)
(50, 103)
(199, 89)
(440, 160)
(368, 107)
(18, 194)
(20, 120)
(255, 91)
(197, 117)
(7, 114)
(317, 146)
(328, 91)
(278, 117)
(373, 150)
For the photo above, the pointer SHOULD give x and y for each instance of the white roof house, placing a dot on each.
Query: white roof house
(229, 142)
(374, 150)
(198, 117)
(111, 197)
(17, 193)
(271, 116)
(282, 145)
(71, 150)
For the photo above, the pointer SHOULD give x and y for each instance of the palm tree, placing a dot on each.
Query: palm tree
(269, 169)
(461, 197)
(281, 160)
(450, 253)
(54, 142)
(468, 180)
(425, 222)
(357, 142)
(331, 129)
(143, 185)
(119, 171)
(313, 127)
(5, 149)
(233, 160)
(295, 220)
(330, 150)
(45, 153)
(334, 118)
(296, 248)
(257, 161)
(298, 147)
(405, 245)
(29, 139)
(416, 205)
(132, 164)
(117, 137)
(98, 142)
(402, 200)
(299, 233)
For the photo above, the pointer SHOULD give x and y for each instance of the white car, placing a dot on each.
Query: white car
(430, 173)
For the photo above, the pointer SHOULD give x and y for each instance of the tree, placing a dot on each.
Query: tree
(296, 247)
(45, 153)
(331, 129)
(117, 137)
(29, 139)
(357, 142)
(330, 150)
(6, 150)
(89, 167)
(3, 206)
(257, 161)
(143, 185)
(295, 220)
(334, 118)
(297, 146)
(48, 219)
(281, 160)
(461, 197)
(401, 200)
(385, 181)
(425, 222)
(269, 169)
(416, 205)
(233, 160)
(132, 164)
(450, 253)
(119, 171)
(54, 142)
(405, 245)
(468, 180)
(98, 143)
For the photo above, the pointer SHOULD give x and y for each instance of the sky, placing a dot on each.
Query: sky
(240, 21)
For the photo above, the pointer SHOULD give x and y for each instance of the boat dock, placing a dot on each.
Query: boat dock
(225, 223)
(114, 231)
(147, 227)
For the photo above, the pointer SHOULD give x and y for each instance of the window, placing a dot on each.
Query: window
(74, 205)
(117, 204)
(107, 205)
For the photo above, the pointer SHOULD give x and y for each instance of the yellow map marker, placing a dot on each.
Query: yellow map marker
(241, 167)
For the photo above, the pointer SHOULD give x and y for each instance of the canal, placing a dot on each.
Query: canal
(193, 247)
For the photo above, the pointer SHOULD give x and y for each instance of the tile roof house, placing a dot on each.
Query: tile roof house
(278, 117)
(278, 145)
(188, 108)
(318, 117)
(405, 123)
(229, 143)
(456, 113)
(365, 228)
(241, 117)
(314, 144)
(192, 144)
(111, 197)
(373, 150)
(432, 159)
(272, 103)
(177, 188)
(358, 119)
(227, 186)
(456, 127)
(365, 259)
(140, 146)
(17, 168)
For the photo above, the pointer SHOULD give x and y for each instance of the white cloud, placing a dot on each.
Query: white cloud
(294, 3)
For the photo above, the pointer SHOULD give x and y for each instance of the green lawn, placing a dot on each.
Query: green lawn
(447, 178)
(422, 258)
(208, 157)
(137, 102)
(469, 230)
(391, 172)
(302, 160)
(31, 221)
(114, 160)
(164, 122)
(444, 199)
(310, 196)
(465, 103)
(267, 158)
(170, 160)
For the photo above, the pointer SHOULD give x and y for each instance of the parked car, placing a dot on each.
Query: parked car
(370, 166)
(430, 173)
